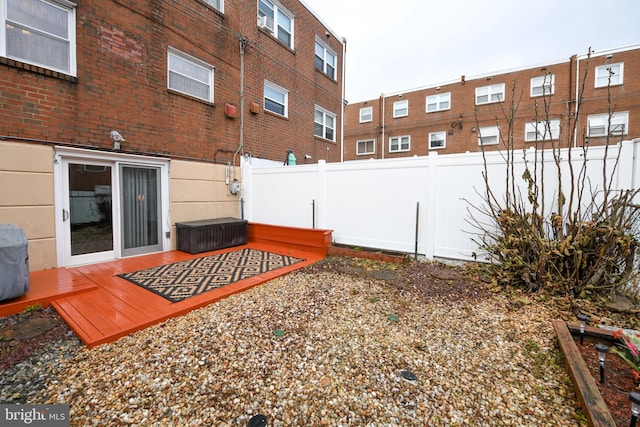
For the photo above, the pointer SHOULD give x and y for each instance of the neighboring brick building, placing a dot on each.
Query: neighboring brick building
(450, 117)
(191, 86)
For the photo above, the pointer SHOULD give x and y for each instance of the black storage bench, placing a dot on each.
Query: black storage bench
(211, 234)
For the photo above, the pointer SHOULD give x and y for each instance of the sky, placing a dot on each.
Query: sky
(399, 45)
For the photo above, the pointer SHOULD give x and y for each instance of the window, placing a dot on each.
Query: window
(276, 99)
(489, 94)
(401, 108)
(437, 140)
(439, 102)
(366, 114)
(190, 76)
(277, 20)
(325, 59)
(39, 32)
(613, 71)
(600, 125)
(399, 143)
(325, 124)
(217, 4)
(542, 131)
(366, 146)
(489, 135)
(543, 85)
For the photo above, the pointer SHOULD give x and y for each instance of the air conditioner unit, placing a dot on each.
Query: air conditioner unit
(266, 23)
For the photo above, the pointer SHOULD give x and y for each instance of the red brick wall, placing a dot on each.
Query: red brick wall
(121, 83)
(467, 116)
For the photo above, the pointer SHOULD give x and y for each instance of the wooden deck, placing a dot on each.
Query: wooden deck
(101, 307)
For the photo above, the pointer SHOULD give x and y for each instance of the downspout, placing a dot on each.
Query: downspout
(243, 44)
(344, 101)
(576, 109)
(382, 127)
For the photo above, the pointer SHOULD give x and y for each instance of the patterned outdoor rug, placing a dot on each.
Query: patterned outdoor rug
(185, 279)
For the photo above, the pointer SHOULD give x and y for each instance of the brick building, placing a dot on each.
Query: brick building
(461, 115)
(130, 116)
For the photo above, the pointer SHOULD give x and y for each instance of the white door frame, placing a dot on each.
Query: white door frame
(64, 154)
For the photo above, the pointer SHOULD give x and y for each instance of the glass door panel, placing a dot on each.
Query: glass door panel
(141, 224)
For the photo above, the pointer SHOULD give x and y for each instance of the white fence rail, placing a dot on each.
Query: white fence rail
(417, 204)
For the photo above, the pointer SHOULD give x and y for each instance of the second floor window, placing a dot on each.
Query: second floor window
(324, 124)
(39, 32)
(216, 4)
(276, 99)
(439, 102)
(325, 59)
(366, 146)
(489, 94)
(543, 85)
(277, 20)
(401, 108)
(366, 114)
(602, 125)
(399, 143)
(190, 76)
(613, 73)
(542, 130)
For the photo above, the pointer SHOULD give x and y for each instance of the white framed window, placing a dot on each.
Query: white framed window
(489, 94)
(365, 146)
(600, 125)
(277, 20)
(543, 85)
(216, 4)
(39, 32)
(366, 114)
(325, 59)
(542, 130)
(189, 75)
(276, 99)
(615, 72)
(399, 143)
(437, 140)
(401, 108)
(324, 124)
(489, 135)
(439, 102)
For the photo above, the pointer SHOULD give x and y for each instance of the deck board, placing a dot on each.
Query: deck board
(101, 307)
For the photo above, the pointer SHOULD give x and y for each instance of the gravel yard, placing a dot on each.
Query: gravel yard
(349, 332)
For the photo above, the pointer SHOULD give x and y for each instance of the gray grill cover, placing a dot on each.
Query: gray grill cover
(14, 262)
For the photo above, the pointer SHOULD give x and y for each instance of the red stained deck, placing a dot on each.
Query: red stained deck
(101, 307)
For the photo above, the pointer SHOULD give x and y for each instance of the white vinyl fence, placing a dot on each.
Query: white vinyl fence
(414, 205)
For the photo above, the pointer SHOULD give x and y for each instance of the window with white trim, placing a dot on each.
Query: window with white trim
(489, 135)
(324, 124)
(601, 125)
(401, 108)
(216, 4)
(39, 32)
(399, 143)
(277, 20)
(325, 59)
(542, 130)
(437, 140)
(439, 102)
(276, 99)
(615, 72)
(189, 75)
(489, 94)
(366, 114)
(365, 146)
(543, 85)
